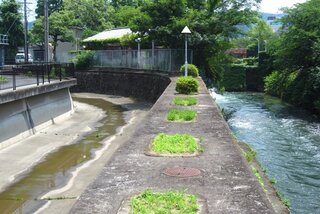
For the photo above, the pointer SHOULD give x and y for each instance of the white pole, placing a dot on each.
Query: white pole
(186, 57)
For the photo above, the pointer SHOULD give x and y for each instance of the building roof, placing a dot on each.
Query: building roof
(109, 34)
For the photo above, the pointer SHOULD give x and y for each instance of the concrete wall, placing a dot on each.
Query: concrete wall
(28, 114)
(122, 82)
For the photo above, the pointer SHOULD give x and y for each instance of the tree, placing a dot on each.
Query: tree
(92, 15)
(263, 32)
(53, 6)
(58, 30)
(297, 57)
(10, 23)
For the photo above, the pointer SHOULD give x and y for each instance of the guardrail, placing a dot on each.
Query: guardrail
(34, 74)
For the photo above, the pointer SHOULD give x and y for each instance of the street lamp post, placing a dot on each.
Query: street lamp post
(186, 31)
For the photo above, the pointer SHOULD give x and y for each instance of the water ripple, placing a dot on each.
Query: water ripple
(287, 140)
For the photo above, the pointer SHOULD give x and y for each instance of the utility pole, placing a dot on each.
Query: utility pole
(46, 32)
(26, 54)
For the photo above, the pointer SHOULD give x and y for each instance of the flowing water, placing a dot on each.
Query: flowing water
(287, 141)
(53, 172)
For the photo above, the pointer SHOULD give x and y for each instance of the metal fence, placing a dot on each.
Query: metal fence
(34, 74)
(167, 60)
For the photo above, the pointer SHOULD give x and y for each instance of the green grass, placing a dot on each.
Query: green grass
(150, 202)
(181, 115)
(258, 176)
(3, 79)
(250, 154)
(175, 144)
(185, 101)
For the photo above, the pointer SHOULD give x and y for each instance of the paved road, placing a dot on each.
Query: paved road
(21, 80)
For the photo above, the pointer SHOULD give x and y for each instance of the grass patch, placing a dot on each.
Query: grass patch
(258, 176)
(3, 79)
(181, 115)
(250, 154)
(169, 202)
(175, 144)
(185, 101)
(285, 201)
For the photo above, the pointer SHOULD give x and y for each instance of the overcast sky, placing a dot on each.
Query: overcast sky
(273, 6)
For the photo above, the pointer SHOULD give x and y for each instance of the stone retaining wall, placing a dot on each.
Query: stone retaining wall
(147, 86)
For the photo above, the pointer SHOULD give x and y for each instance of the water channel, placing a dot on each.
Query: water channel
(53, 172)
(287, 141)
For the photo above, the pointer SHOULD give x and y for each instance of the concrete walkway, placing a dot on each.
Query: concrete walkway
(226, 184)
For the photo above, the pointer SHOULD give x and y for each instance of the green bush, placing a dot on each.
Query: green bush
(192, 70)
(3, 79)
(83, 60)
(187, 85)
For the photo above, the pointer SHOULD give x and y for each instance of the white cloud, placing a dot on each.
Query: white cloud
(274, 6)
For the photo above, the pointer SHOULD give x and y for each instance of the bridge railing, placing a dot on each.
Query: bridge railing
(34, 74)
(166, 60)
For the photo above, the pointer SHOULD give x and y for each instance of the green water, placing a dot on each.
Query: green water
(53, 171)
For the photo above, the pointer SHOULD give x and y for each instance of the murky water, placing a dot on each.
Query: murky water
(287, 141)
(22, 196)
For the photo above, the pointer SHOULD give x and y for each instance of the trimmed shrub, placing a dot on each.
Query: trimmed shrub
(83, 60)
(187, 85)
(192, 70)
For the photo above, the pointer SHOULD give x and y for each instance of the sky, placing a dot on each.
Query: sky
(273, 6)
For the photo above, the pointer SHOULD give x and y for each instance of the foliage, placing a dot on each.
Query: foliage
(58, 30)
(83, 60)
(185, 101)
(181, 115)
(167, 202)
(175, 144)
(91, 15)
(192, 70)
(250, 154)
(53, 6)
(235, 78)
(11, 25)
(187, 85)
(100, 44)
(258, 176)
(3, 79)
(296, 57)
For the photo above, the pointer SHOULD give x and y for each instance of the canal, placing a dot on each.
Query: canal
(287, 141)
(54, 171)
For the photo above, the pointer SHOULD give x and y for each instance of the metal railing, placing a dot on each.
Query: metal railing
(34, 74)
(167, 60)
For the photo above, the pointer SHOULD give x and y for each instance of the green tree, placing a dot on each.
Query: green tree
(297, 57)
(10, 23)
(92, 15)
(263, 32)
(53, 6)
(58, 30)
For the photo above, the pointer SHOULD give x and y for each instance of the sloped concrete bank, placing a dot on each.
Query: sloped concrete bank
(31, 108)
(226, 184)
(122, 82)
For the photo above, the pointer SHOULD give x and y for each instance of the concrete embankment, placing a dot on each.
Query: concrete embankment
(29, 109)
(122, 82)
(226, 184)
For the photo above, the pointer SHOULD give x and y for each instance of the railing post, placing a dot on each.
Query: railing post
(14, 86)
(37, 70)
(60, 72)
(44, 67)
